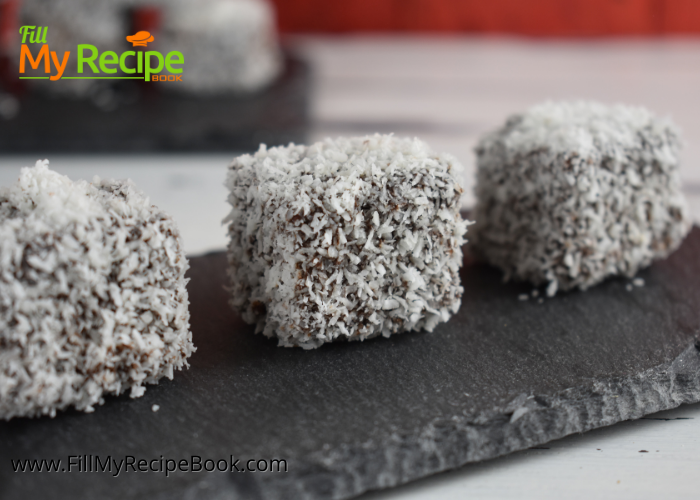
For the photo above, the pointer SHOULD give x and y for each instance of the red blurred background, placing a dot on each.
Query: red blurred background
(576, 18)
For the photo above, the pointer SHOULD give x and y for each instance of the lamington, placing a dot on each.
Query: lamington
(570, 193)
(92, 293)
(230, 46)
(346, 239)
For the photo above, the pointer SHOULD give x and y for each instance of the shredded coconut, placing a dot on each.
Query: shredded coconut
(345, 239)
(92, 293)
(571, 193)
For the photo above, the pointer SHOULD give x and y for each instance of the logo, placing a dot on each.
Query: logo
(93, 65)
(140, 39)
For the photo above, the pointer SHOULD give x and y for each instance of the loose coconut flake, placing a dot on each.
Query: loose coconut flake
(571, 193)
(345, 239)
(92, 293)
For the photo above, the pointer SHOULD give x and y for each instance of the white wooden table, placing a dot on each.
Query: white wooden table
(449, 91)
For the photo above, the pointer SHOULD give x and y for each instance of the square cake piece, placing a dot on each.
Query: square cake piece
(571, 193)
(345, 239)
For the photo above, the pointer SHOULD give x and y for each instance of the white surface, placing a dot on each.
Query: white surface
(448, 91)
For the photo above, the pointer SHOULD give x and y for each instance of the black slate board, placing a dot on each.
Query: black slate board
(502, 375)
(144, 118)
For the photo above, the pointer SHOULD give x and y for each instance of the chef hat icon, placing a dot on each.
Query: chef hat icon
(140, 39)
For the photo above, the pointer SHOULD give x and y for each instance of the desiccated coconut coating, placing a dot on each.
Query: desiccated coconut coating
(92, 293)
(571, 193)
(345, 239)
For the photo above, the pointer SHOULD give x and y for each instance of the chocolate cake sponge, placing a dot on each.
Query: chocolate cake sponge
(92, 293)
(345, 239)
(571, 193)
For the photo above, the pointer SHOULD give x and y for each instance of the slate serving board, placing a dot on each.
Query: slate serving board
(502, 375)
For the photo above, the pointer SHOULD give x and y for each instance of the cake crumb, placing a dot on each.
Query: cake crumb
(629, 287)
(155, 408)
(638, 282)
(523, 296)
